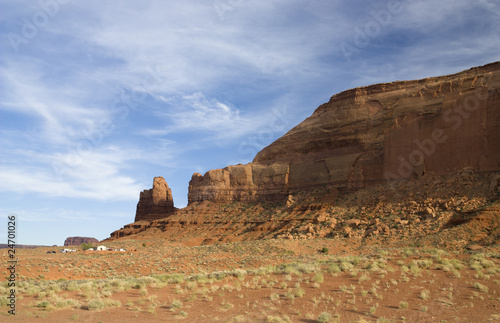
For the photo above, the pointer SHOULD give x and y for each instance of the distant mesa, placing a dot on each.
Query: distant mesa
(155, 203)
(76, 241)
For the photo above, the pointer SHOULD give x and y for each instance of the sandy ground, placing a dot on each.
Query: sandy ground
(237, 282)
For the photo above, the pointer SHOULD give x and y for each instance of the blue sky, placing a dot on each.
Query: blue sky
(98, 97)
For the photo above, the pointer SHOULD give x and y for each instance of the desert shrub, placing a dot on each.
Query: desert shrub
(226, 305)
(407, 252)
(275, 296)
(308, 268)
(353, 260)
(61, 303)
(176, 279)
(299, 292)
(4, 301)
(96, 304)
(239, 273)
(88, 286)
(333, 269)
(71, 286)
(481, 287)
(425, 294)
(86, 246)
(277, 319)
(176, 304)
(423, 263)
(44, 304)
(403, 305)
(346, 266)
(364, 277)
(319, 278)
(415, 270)
(112, 302)
(325, 317)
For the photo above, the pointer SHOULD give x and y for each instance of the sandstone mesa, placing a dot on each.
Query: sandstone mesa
(372, 135)
(384, 134)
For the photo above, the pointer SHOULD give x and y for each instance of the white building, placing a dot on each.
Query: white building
(67, 250)
(101, 248)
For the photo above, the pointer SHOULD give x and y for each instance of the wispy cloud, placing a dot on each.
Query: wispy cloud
(197, 113)
(59, 107)
(97, 176)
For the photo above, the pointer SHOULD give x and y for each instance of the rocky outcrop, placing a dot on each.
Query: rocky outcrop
(382, 133)
(243, 183)
(156, 203)
(76, 241)
(454, 210)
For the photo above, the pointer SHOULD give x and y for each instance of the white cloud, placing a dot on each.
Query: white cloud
(58, 106)
(192, 47)
(196, 112)
(217, 121)
(97, 175)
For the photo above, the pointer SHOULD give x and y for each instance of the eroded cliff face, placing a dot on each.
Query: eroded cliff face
(377, 134)
(155, 203)
(246, 183)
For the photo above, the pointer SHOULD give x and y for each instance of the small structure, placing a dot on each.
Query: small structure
(101, 248)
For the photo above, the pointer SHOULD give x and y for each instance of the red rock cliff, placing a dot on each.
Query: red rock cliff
(374, 134)
(156, 203)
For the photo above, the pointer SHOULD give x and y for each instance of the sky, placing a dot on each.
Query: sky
(99, 97)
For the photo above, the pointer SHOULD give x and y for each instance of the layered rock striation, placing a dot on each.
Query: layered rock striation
(155, 203)
(76, 241)
(382, 133)
(242, 183)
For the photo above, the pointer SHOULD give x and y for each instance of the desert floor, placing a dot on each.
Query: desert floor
(321, 280)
